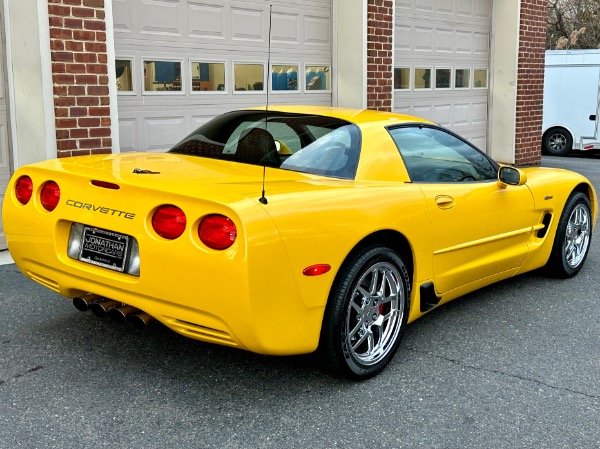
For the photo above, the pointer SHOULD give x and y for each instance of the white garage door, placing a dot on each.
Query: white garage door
(441, 63)
(182, 62)
(4, 156)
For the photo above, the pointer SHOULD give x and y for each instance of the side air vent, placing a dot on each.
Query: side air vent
(546, 222)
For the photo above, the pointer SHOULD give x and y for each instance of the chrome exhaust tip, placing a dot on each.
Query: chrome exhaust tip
(120, 314)
(140, 320)
(101, 308)
(82, 303)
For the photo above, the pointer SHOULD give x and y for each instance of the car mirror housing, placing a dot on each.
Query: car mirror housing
(510, 176)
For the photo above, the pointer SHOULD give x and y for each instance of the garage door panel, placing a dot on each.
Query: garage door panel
(123, 16)
(127, 136)
(317, 31)
(286, 28)
(424, 5)
(248, 24)
(223, 32)
(206, 21)
(445, 7)
(454, 36)
(161, 17)
(161, 132)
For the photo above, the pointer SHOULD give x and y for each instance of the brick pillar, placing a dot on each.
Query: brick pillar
(80, 76)
(530, 81)
(380, 48)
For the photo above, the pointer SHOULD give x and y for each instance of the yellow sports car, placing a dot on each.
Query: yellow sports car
(293, 229)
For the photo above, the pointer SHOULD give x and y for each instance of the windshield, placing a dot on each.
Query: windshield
(300, 142)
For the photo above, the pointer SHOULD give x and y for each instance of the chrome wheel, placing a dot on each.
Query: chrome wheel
(573, 235)
(375, 313)
(577, 236)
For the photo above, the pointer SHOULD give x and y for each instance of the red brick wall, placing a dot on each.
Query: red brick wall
(530, 81)
(380, 48)
(80, 76)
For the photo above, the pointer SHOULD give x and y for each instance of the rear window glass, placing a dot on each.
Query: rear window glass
(300, 142)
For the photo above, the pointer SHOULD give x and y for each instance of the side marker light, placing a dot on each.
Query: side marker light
(316, 270)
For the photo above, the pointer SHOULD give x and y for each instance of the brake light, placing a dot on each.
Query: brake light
(169, 222)
(24, 189)
(217, 232)
(105, 185)
(50, 196)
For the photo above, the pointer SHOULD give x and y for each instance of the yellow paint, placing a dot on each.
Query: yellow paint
(253, 295)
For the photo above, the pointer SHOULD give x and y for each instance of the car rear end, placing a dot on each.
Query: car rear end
(204, 259)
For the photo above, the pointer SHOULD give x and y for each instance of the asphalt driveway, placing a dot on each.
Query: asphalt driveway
(514, 365)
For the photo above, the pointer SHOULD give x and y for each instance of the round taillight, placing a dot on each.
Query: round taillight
(217, 232)
(24, 189)
(169, 222)
(50, 196)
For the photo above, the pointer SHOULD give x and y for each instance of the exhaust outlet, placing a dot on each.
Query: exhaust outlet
(120, 314)
(83, 303)
(101, 308)
(140, 320)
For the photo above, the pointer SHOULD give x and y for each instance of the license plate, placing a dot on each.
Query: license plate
(104, 248)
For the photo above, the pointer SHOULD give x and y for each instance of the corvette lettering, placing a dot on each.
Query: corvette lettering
(100, 209)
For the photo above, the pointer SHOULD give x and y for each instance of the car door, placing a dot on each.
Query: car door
(479, 228)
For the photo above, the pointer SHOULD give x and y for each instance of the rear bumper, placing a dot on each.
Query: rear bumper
(232, 312)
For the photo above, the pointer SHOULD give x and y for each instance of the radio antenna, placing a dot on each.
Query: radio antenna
(263, 198)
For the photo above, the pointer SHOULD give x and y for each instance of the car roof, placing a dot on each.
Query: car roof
(357, 116)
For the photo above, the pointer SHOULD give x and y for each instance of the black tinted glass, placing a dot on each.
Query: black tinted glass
(299, 142)
(434, 155)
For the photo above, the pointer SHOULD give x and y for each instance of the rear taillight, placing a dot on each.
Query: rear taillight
(50, 196)
(217, 232)
(169, 222)
(24, 189)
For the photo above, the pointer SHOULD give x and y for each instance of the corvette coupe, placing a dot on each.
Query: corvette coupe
(293, 230)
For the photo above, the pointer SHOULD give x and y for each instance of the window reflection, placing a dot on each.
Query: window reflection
(123, 74)
(401, 78)
(442, 78)
(463, 79)
(318, 77)
(208, 76)
(284, 77)
(249, 77)
(422, 78)
(161, 76)
(480, 77)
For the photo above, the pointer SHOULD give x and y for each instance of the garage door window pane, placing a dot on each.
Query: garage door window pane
(284, 77)
(208, 76)
(317, 77)
(463, 79)
(480, 76)
(442, 78)
(422, 78)
(124, 80)
(401, 78)
(162, 76)
(249, 77)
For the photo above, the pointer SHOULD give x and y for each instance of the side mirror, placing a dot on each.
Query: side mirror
(510, 176)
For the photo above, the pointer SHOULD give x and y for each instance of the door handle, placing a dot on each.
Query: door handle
(444, 201)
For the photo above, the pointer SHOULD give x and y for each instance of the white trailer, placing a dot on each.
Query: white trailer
(571, 100)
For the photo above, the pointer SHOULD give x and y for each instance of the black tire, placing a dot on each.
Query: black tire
(362, 329)
(557, 142)
(573, 236)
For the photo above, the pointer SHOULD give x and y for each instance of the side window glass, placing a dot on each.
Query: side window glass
(433, 155)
